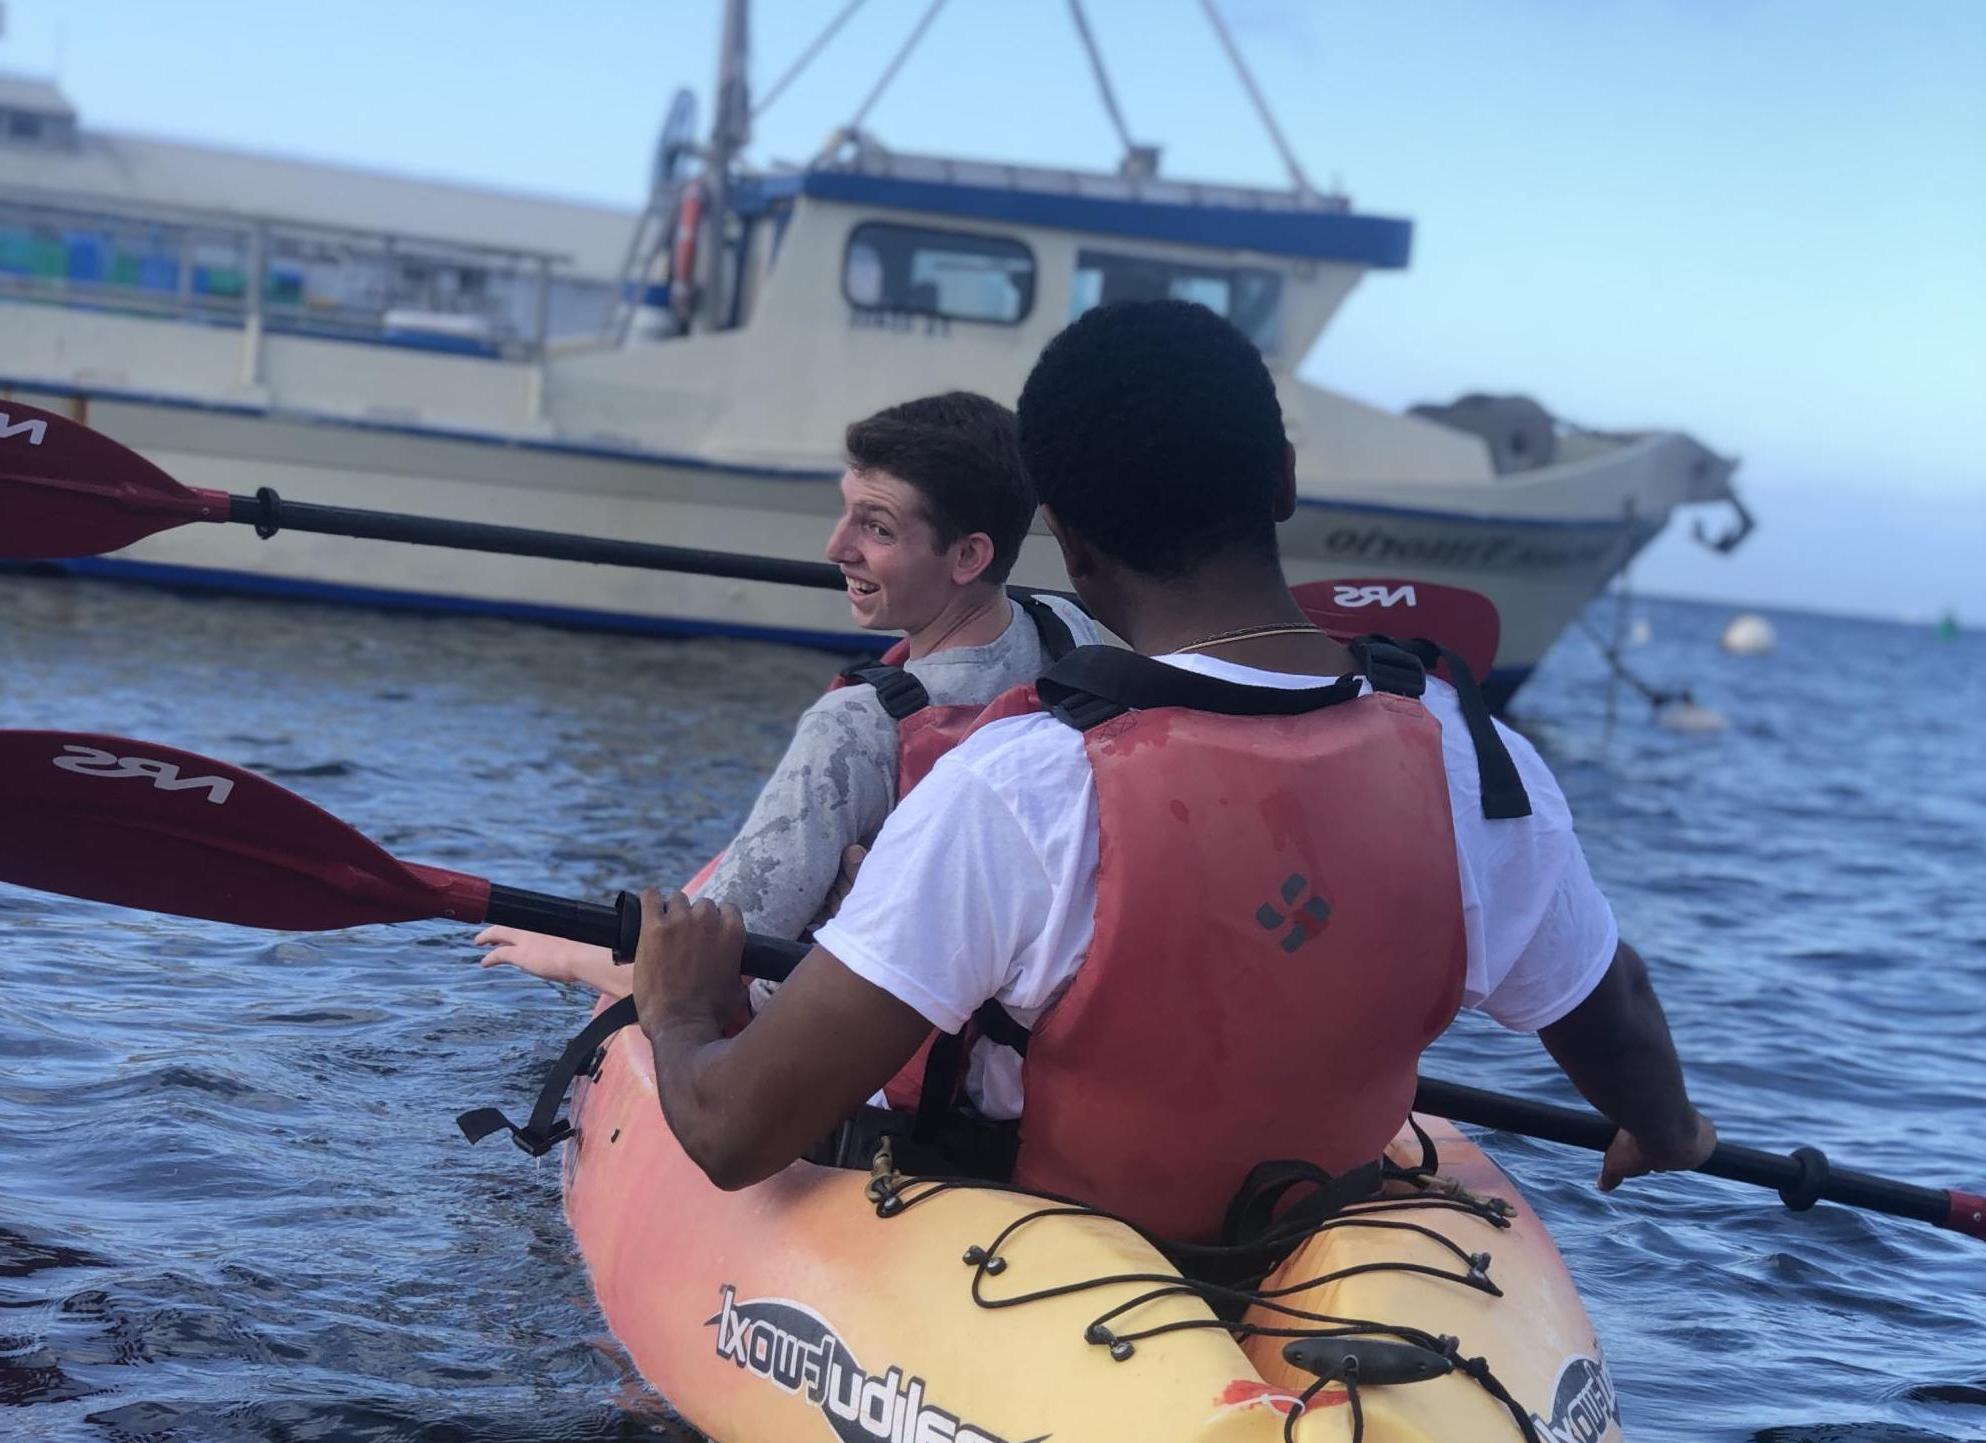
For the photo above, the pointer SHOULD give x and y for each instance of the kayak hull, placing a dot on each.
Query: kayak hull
(792, 1309)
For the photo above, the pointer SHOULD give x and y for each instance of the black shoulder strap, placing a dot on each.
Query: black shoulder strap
(1056, 639)
(1504, 797)
(1095, 683)
(944, 1064)
(546, 1129)
(900, 693)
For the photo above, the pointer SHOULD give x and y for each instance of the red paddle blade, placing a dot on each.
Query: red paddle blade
(163, 830)
(67, 491)
(1463, 621)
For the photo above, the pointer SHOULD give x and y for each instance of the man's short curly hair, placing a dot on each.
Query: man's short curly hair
(1152, 430)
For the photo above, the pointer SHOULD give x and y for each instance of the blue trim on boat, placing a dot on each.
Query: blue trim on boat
(243, 583)
(1379, 241)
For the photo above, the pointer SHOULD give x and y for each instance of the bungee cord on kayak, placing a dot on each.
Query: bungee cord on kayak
(1415, 1356)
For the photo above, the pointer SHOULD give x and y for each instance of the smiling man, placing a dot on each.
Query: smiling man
(934, 507)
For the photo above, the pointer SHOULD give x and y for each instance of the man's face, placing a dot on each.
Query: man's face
(898, 577)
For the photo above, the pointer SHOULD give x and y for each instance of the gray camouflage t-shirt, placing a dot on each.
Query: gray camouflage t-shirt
(837, 781)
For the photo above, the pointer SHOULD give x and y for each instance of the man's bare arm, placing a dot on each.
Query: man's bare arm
(1616, 1048)
(744, 1107)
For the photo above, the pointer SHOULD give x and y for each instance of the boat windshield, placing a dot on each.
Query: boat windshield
(1249, 296)
(919, 270)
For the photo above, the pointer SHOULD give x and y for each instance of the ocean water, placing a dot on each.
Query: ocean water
(234, 1206)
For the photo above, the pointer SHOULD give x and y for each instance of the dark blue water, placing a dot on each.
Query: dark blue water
(233, 1205)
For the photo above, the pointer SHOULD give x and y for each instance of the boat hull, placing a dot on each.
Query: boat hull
(1538, 570)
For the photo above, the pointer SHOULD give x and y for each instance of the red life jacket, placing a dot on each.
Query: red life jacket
(925, 733)
(1279, 935)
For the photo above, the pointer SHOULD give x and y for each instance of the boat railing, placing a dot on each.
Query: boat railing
(281, 275)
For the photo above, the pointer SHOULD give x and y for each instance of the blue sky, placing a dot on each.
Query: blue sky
(1761, 220)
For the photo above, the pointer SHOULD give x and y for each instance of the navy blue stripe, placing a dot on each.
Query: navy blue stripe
(1370, 240)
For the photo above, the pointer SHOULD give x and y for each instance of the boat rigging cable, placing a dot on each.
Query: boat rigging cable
(896, 64)
(1103, 82)
(1354, 1352)
(821, 40)
(1298, 179)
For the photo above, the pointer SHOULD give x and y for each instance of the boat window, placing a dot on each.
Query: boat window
(1247, 295)
(938, 273)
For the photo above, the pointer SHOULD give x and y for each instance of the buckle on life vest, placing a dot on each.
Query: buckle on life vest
(1390, 668)
(900, 693)
(1083, 710)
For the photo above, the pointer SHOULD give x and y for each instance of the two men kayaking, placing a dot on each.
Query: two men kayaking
(935, 505)
(1185, 908)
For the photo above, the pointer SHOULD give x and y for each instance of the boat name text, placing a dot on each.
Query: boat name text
(869, 318)
(1495, 553)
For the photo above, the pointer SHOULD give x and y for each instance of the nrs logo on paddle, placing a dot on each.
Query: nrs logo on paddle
(1353, 597)
(34, 430)
(95, 762)
(792, 1347)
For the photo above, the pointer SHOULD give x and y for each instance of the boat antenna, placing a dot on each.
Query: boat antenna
(806, 57)
(1298, 180)
(896, 64)
(1139, 160)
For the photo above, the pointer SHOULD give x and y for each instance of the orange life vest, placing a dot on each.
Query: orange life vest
(924, 734)
(1279, 935)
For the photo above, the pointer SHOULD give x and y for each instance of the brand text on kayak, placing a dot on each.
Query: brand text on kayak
(792, 1347)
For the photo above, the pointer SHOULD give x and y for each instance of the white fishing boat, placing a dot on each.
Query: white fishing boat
(683, 375)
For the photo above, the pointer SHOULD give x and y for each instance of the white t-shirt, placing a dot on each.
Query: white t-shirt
(983, 883)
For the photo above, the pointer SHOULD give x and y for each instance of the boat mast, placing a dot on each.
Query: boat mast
(730, 133)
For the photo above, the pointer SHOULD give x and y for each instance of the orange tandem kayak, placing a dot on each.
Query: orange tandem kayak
(802, 1308)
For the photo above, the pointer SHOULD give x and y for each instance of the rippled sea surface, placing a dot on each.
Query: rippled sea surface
(233, 1204)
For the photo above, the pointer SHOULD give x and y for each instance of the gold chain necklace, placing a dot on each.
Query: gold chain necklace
(1250, 633)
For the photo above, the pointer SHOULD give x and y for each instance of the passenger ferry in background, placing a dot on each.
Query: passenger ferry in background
(683, 374)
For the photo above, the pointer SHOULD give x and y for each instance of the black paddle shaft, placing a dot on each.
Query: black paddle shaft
(1800, 1178)
(618, 927)
(268, 513)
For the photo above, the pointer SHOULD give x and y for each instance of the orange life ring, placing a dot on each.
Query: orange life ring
(682, 254)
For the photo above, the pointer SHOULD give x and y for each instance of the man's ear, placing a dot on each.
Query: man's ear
(971, 555)
(1286, 493)
(1077, 558)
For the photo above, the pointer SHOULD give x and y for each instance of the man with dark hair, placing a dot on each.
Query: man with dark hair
(960, 453)
(1204, 903)
(935, 506)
